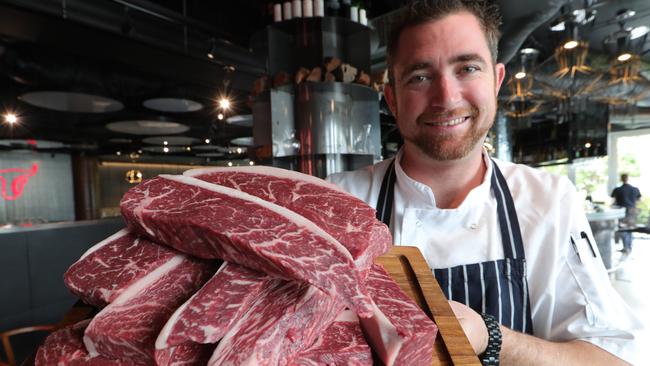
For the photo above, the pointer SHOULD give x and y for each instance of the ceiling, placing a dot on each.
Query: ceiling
(132, 51)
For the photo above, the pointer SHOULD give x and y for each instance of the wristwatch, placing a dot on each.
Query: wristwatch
(491, 355)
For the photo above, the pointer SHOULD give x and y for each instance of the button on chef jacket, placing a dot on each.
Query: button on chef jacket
(570, 295)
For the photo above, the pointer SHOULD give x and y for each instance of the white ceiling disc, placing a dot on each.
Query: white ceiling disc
(242, 141)
(210, 148)
(175, 105)
(160, 149)
(71, 102)
(144, 127)
(171, 140)
(243, 120)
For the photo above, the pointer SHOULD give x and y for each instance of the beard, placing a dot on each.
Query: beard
(451, 146)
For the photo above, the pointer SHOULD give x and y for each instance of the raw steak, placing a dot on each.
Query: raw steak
(408, 340)
(212, 221)
(208, 314)
(188, 354)
(113, 264)
(127, 328)
(346, 218)
(285, 319)
(65, 347)
(212, 310)
(342, 344)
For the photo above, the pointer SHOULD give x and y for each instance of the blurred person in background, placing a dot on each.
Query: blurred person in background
(627, 195)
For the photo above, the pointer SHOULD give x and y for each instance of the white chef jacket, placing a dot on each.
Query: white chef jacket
(571, 297)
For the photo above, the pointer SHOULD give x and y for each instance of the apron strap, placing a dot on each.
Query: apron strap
(384, 207)
(513, 245)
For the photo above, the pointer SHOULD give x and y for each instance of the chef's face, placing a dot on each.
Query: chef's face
(445, 86)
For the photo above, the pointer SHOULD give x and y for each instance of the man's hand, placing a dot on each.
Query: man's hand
(521, 349)
(472, 324)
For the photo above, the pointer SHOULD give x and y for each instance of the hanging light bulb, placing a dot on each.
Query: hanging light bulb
(212, 49)
(624, 57)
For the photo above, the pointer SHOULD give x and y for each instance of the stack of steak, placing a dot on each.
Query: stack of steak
(241, 266)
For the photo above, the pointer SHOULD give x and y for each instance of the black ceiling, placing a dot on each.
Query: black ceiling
(133, 50)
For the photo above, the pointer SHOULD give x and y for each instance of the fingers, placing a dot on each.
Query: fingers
(472, 324)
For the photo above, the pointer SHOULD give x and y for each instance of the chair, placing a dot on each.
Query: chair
(6, 342)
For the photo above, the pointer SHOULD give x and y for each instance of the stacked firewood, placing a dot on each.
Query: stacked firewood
(332, 70)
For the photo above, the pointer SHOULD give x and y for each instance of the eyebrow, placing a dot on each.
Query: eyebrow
(468, 57)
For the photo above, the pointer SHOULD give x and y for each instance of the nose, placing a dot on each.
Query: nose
(444, 92)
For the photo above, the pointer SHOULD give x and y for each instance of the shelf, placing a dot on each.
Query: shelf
(339, 25)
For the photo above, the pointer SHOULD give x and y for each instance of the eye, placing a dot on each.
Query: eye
(470, 69)
(417, 79)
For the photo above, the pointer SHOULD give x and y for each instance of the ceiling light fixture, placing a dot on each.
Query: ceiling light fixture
(207, 141)
(134, 176)
(224, 103)
(520, 75)
(165, 149)
(624, 57)
(570, 44)
(11, 118)
(212, 49)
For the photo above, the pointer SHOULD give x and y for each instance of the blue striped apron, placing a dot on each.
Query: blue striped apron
(496, 287)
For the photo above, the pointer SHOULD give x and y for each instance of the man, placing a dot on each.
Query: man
(626, 195)
(508, 241)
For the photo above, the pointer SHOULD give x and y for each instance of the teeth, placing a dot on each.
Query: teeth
(452, 122)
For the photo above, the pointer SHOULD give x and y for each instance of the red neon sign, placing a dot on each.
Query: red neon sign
(18, 182)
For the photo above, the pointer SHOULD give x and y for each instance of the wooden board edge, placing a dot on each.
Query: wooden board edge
(456, 342)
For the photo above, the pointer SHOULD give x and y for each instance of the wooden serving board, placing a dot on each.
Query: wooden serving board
(407, 267)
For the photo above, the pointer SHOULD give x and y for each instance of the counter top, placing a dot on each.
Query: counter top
(59, 225)
(606, 214)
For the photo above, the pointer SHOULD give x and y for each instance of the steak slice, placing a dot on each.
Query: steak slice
(127, 328)
(113, 264)
(66, 347)
(407, 334)
(285, 319)
(212, 221)
(187, 354)
(212, 310)
(208, 315)
(341, 344)
(346, 218)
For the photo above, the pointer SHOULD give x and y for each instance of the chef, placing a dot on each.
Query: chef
(509, 245)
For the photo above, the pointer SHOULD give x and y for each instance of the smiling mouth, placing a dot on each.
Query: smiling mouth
(447, 123)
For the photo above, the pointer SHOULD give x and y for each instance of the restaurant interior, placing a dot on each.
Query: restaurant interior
(97, 96)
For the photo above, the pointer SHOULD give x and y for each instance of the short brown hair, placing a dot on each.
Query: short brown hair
(422, 11)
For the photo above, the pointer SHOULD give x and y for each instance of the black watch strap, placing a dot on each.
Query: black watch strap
(491, 354)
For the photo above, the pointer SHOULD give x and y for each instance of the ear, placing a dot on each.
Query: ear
(389, 94)
(499, 75)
